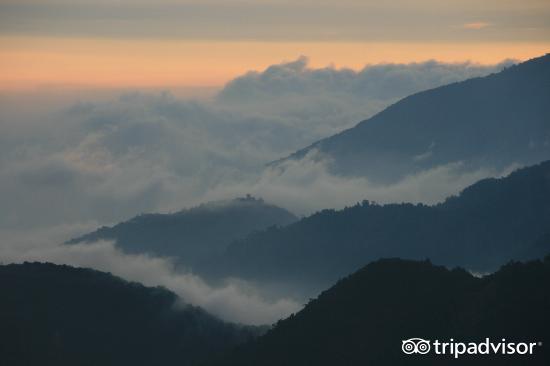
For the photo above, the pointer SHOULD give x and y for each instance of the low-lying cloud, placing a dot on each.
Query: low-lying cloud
(235, 300)
(306, 185)
(67, 171)
(105, 161)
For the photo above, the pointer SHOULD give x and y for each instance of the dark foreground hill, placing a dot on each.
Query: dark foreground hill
(195, 233)
(488, 224)
(491, 121)
(364, 318)
(60, 315)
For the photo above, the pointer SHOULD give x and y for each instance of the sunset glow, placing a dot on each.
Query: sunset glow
(175, 43)
(29, 62)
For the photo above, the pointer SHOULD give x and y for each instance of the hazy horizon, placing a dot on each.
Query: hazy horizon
(183, 43)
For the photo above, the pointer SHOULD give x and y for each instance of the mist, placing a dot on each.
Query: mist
(235, 300)
(106, 159)
(66, 169)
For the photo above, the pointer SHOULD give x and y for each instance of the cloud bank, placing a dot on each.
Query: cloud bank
(105, 161)
(306, 185)
(373, 82)
(235, 301)
(66, 171)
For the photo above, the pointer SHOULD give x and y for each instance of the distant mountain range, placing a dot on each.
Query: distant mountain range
(493, 121)
(488, 224)
(60, 315)
(490, 122)
(192, 234)
(365, 317)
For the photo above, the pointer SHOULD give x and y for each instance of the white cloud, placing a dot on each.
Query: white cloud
(305, 186)
(235, 301)
(109, 160)
(65, 172)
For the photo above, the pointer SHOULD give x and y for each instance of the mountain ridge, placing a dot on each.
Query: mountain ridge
(62, 315)
(364, 318)
(491, 222)
(502, 118)
(191, 234)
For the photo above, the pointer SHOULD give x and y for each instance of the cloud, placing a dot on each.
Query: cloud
(235, 300)
(65, 171)
(104, 161)
(306, 185)
(476, 25)
(324, 101)
(373, 82)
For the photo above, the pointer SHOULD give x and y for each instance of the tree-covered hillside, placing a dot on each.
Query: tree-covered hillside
(364, 318)
(491, 122)
(192, 234)
(60, 315)
(488, 224)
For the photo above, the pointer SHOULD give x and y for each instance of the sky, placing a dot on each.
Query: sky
(191, 43)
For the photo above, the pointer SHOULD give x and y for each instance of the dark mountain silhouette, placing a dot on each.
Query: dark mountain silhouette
(539, 249)
(363, 319)
(60, 315)
(192, 234)
(490, 121)
(488, 224)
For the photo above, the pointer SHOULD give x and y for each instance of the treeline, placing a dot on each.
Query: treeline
(60, 315)
(364, 318)
(488, 224)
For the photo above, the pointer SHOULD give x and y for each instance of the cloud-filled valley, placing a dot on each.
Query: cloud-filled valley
(108, 160)
(99, 162)
(234, 300)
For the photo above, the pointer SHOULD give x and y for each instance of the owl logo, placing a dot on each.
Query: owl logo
(415, 345)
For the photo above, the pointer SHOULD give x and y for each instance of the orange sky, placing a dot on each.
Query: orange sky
(30, 62)
(183, 43)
